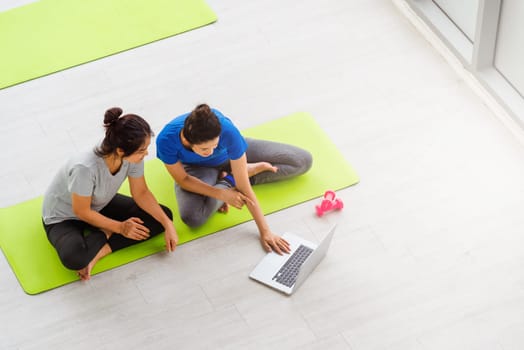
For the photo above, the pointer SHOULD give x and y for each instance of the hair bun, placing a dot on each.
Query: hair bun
(112, 115)
(202, 109)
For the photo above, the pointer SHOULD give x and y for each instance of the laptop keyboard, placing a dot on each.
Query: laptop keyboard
(287, 274)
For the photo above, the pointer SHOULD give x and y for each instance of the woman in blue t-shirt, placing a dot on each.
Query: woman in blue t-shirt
(214, 166)
(85, 218)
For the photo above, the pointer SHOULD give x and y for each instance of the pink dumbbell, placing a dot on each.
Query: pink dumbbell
(330, 202)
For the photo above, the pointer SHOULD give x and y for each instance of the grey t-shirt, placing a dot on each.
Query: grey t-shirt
(86, 175)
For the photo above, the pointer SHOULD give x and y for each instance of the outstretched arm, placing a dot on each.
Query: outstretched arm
(268, 239)
(145, 200)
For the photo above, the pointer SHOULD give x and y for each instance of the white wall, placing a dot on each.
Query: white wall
(509, 53)
(463, 13)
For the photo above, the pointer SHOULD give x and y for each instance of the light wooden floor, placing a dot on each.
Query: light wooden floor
(429, 253)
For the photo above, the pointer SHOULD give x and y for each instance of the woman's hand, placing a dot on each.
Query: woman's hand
(171, 238)
(235, 198)
(271, 242)
(132, 228)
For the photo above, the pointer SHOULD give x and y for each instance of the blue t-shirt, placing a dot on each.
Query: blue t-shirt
(170, 150)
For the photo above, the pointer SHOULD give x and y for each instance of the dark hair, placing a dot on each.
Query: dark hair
(201, 125)
(127, 132)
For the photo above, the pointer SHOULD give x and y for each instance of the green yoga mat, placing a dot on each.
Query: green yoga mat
(51, 35)
(36, 264)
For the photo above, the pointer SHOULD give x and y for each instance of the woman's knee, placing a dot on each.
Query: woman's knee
(300, 162)
(168, 211)
(74, 259)
(305, 161)
(76, 252)
(192, 219)
(155, 227)
(194, 216)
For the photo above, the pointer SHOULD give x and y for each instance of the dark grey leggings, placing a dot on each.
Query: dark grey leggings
(77, 242)
(291, 161)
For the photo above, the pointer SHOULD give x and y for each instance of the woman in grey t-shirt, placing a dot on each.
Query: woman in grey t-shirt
(85, 218)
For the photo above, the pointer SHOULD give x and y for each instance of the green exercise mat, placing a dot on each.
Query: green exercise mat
(51, 35)
(38, 268)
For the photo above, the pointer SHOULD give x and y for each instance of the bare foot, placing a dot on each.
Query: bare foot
(257, 168)
(85, 273)
(224, 208)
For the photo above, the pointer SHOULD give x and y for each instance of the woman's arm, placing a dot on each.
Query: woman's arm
(268, 239)
(195, 185)
(145, 200)
(131, 228)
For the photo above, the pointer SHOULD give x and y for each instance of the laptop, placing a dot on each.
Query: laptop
(287, 272)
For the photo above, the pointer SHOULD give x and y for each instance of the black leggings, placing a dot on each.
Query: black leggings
(77, 242)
